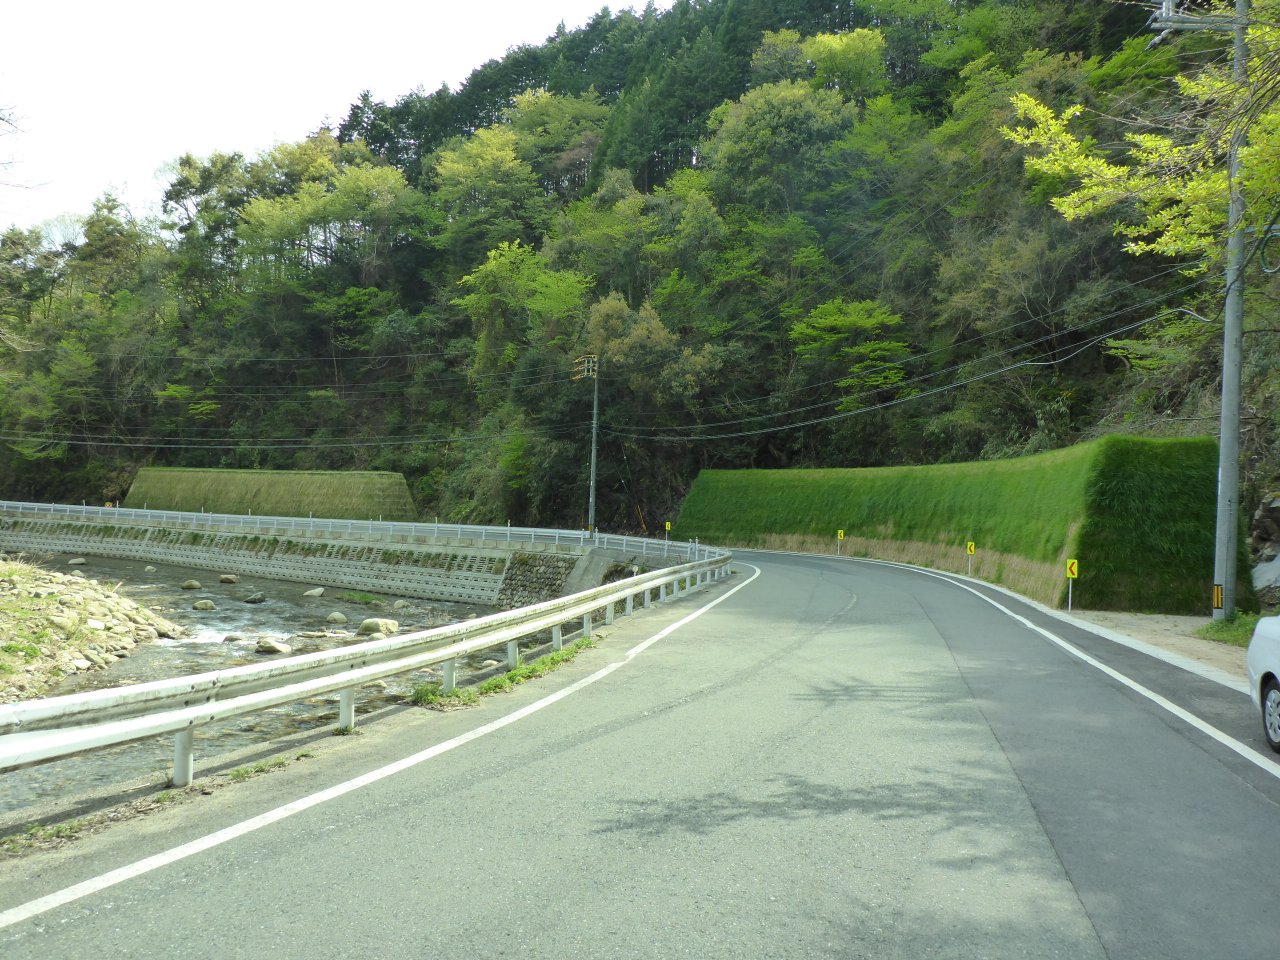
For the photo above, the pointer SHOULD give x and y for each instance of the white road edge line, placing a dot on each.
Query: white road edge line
(1190, 665)
(70, 894)
(1265, 764)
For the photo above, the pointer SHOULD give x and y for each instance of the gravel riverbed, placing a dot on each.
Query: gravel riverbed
(67, 627)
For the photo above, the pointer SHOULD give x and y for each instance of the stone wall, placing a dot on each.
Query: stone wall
(488, 573)
(534, 577)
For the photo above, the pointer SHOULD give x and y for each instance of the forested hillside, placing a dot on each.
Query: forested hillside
(795, 232)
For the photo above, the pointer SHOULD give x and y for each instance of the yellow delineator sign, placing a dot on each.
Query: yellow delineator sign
(839, 534)
(971, 548)
(1073, 571)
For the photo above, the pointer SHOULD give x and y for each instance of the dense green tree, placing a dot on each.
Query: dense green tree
(488, 195)
(766, 149)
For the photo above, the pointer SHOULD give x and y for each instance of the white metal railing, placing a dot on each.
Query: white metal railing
(47, 729)
(370, 529)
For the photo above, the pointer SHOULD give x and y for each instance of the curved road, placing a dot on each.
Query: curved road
(838, 759)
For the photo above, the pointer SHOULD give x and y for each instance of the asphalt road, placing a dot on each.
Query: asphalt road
(839, 759)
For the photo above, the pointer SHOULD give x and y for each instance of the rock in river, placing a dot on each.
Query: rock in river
(267, 645)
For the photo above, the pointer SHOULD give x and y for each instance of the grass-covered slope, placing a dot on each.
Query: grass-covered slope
(1138, 515)
(350, 495)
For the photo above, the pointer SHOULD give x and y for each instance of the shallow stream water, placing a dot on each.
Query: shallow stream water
(286, 615)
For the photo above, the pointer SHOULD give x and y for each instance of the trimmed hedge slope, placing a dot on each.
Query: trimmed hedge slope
(341, 495)
(1138, 515)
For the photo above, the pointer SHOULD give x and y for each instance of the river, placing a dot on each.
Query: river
(285, 615)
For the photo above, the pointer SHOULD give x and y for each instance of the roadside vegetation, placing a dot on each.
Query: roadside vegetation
(435, 696)
(28, 598)
(1236, 630)
(33, 838)
(1137, 514)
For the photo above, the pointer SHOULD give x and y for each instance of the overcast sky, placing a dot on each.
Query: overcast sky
(105, 94)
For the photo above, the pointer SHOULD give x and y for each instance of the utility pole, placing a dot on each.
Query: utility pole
(1226, 540)
(589, 366)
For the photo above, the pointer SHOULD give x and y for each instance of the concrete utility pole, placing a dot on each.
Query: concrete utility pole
(1226, 541)
(589, 366)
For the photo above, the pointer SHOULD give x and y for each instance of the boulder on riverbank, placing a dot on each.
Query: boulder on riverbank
(378, 625)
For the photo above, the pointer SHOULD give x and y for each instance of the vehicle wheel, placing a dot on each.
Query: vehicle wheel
(1271, 714)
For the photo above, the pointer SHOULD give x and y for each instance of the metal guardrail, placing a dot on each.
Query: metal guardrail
(51, 728)
(376, 530)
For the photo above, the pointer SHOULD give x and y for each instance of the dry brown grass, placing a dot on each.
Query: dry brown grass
(1038, 580)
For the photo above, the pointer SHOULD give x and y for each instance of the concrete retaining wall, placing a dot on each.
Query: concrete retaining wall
(482, 572)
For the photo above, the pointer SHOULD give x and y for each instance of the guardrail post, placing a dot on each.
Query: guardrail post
(630, 607)
(586, 624)
(347, 709)
(662, 593)
(608, 614)
(184, 766)
(513, 654)
(448, 681)
(557, 641)
(648, 598)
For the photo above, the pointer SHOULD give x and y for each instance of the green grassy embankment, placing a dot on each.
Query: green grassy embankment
(1138, 515)
(344, 495)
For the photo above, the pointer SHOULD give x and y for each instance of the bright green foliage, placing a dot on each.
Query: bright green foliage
(850, 335)
(1176, 180)
(1181, 216)
(487, 193)
(513, 299)
(851, 63)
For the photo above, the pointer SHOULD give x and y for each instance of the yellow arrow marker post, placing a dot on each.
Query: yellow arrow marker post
(1073, 571)
(970, 548)
(839, 538)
